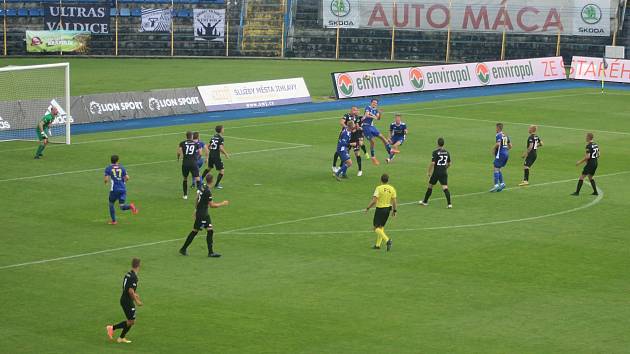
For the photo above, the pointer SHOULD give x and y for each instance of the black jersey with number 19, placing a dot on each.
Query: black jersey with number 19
(190, 149)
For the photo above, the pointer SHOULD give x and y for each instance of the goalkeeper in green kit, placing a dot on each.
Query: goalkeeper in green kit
(43, 130)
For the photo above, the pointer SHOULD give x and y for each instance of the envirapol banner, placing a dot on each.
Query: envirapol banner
(93, 18)
(614, 70)
(254, 94)
(57, 41)
(444, 77)
(547, 17)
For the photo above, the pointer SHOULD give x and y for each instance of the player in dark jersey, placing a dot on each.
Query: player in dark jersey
(116, 176)
(438, 172)
(202, 218)
(128, 301)
(591, 157)
(216, 148)
(188, 150)
(356, 142)
(533, 143)
(352, 116)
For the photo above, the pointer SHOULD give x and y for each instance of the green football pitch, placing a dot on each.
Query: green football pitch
(528, 270)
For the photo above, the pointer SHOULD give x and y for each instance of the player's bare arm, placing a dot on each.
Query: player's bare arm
(135, 297)
(342, 122)
(179, 152)
(106, 180)
(372, 203)
(227, 156)
(394, 207)
(495, 147)
(430, 168)
(587, 157)
(218, 205)
(530, 147)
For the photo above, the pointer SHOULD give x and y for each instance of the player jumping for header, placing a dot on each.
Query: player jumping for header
(500, 150)
(370, 131)
(397, 135)
(43, 130)
(357, 135)
(591, 157)
(117, 177)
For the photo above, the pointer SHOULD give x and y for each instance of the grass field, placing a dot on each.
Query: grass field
(529, 270)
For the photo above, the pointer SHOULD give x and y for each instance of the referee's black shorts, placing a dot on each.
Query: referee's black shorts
(381, 215)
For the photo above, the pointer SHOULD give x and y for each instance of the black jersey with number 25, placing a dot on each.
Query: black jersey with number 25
(215, 146)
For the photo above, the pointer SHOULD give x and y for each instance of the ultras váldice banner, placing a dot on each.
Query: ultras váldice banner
(612, 70)
(93, 18)
(254, 94)
(443, 77)
(548, 17)
(57, 41)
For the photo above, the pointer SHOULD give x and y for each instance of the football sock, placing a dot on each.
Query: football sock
(205, 173)
(40, 149)
(391, 156)
(124, 331)
(526, 174)
(371, 152)
(594, 186)
(209, 240)
(120, 325)
(496, 177)
(363, 149)
(112, 211)
(342, 171)
(189, 239)
(383, 237)
(579, 186)
(427, 195)
(388, 148)
(199, 185)
(379, 239)
(185, 186)
(500, 177)
(335, 158)
(359, 162)
(447, 193)
(219, 177)
(125, 207)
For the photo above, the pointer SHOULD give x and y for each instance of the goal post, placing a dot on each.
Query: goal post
(27, 93)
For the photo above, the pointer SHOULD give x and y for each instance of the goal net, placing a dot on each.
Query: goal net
(27, 93)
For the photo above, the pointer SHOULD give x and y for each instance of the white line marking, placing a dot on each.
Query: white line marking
(145, 164)
(264, 141)
(235, 231)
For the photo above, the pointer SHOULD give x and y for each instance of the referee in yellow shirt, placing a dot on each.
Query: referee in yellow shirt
(385, 200)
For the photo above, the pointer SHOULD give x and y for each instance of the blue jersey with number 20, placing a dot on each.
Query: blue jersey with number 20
(116, 175)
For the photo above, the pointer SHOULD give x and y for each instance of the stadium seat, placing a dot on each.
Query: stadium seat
(22, 12)
(112, 12)
(11, 13)
(183, 13)
(136, 12)
(36, 12)
(125, 12)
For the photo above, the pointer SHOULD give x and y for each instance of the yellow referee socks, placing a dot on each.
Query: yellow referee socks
(380, 232)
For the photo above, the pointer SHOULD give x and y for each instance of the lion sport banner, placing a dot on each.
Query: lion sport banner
(156, 20)
(57, 41)
(445, 77)
(546, 17)
(209, 24)
(93, 18)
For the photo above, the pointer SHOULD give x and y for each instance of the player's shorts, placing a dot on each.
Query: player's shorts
(200, 162)
(344, 155)
(128, 309)
(530, 159)
(190, 168)
(396, 139)
(439, 177)
(501, 161)
(370, 132)
(202, 222)
(119, 196)
(215, 163)
(590, 168)
(380, 216)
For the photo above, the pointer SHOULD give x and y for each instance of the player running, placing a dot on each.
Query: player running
(343, 146)
(128, 301)
(117, 177)
(397, 135)
(591, 157)
(216, 148)
(188, 150)
(353, 116)
(370, 131)
(384, 198)
(438, 172)
(500, 150)
(202, 219)
(533, 143)
(43, 130)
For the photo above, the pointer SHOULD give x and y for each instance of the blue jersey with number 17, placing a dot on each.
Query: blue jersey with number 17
(504, 142)
(117, 175)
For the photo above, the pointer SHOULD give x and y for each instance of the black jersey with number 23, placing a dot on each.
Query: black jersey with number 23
(442, 159)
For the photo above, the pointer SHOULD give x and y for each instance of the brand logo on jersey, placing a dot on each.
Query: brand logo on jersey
(344, 83)
(4, 125)
(591, 14)
(340, 8)
(416, 77)
(483, 73)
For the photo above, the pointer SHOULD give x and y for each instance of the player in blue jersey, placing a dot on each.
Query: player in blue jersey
(500, 150)
(343, 148)
(397, 135)
(370, 131)
(203, 152)
(117, 177)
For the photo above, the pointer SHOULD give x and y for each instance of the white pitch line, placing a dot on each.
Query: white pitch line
(236, 231)
(144, 164)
